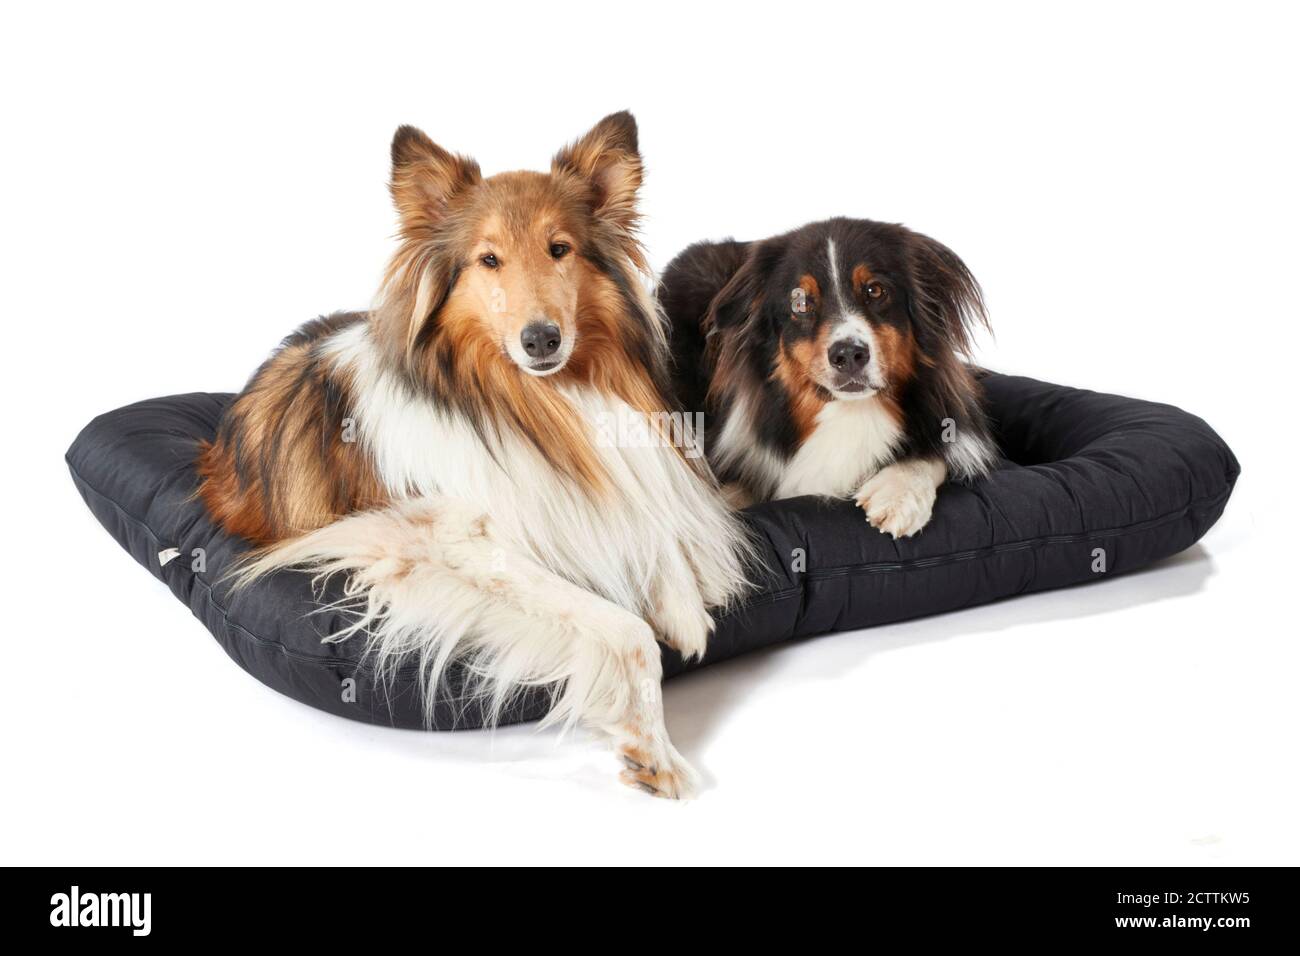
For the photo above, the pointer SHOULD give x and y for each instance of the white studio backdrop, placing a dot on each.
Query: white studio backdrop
(182, 187)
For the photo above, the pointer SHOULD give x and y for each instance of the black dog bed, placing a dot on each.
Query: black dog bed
(1092, 485)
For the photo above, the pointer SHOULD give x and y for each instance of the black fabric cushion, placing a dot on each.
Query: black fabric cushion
(1083, 471)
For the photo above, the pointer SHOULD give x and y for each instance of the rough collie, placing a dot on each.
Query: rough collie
(448, 450)
(830, 362)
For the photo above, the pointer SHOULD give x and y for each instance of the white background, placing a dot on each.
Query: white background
(180, 189)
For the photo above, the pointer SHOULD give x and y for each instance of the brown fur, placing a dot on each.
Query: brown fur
(280, 463)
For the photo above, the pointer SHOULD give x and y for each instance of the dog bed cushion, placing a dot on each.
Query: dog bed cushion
(1091, 485)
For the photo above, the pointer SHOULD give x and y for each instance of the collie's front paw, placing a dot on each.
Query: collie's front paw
(685, 626)
(898, 500)
(657, 769)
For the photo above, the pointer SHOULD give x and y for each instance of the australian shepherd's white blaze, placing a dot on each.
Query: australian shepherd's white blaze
(441, 450)
(830, 362)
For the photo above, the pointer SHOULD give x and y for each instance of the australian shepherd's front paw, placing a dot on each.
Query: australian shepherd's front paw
(898, 499)
(656, 768)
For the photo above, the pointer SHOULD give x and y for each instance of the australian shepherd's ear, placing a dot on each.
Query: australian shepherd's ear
(946, 303)
(733, 322)
(946, 306)
(741, 299)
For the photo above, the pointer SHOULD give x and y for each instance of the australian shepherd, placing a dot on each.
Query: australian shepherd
(829, 361)
(448, 451)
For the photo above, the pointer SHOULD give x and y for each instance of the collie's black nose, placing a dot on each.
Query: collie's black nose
(540, 339)
(848, 355)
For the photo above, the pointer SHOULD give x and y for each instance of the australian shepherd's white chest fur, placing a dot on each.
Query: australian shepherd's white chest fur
(849, 441)
(444, 452)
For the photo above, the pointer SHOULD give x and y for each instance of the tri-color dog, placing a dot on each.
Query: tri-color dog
(443, 450)
(829, 361)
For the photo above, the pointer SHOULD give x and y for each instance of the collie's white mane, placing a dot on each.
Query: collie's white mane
(659, 512)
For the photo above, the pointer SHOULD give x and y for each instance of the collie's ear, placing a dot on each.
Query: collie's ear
(425, 178)
(608, 160)
(946, 302)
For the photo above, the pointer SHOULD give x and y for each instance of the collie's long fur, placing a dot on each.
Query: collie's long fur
(444, 451)
(830, 362)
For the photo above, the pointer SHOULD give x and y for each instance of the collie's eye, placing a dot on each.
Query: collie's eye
(489, 260)
(875, 290)
(559, 250)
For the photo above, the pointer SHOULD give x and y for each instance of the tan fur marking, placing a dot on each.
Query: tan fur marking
(812, 293)
(898, 355)
(861, 276)
(794, 364)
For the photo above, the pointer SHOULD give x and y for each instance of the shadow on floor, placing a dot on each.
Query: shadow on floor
(697, 701)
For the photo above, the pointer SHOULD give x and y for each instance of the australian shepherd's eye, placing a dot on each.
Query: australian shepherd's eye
(799, 301)
(489, 261)
(874, 290)
(559, 250)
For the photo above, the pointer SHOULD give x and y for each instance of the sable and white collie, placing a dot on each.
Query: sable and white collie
(830, 362)
(449, 451)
